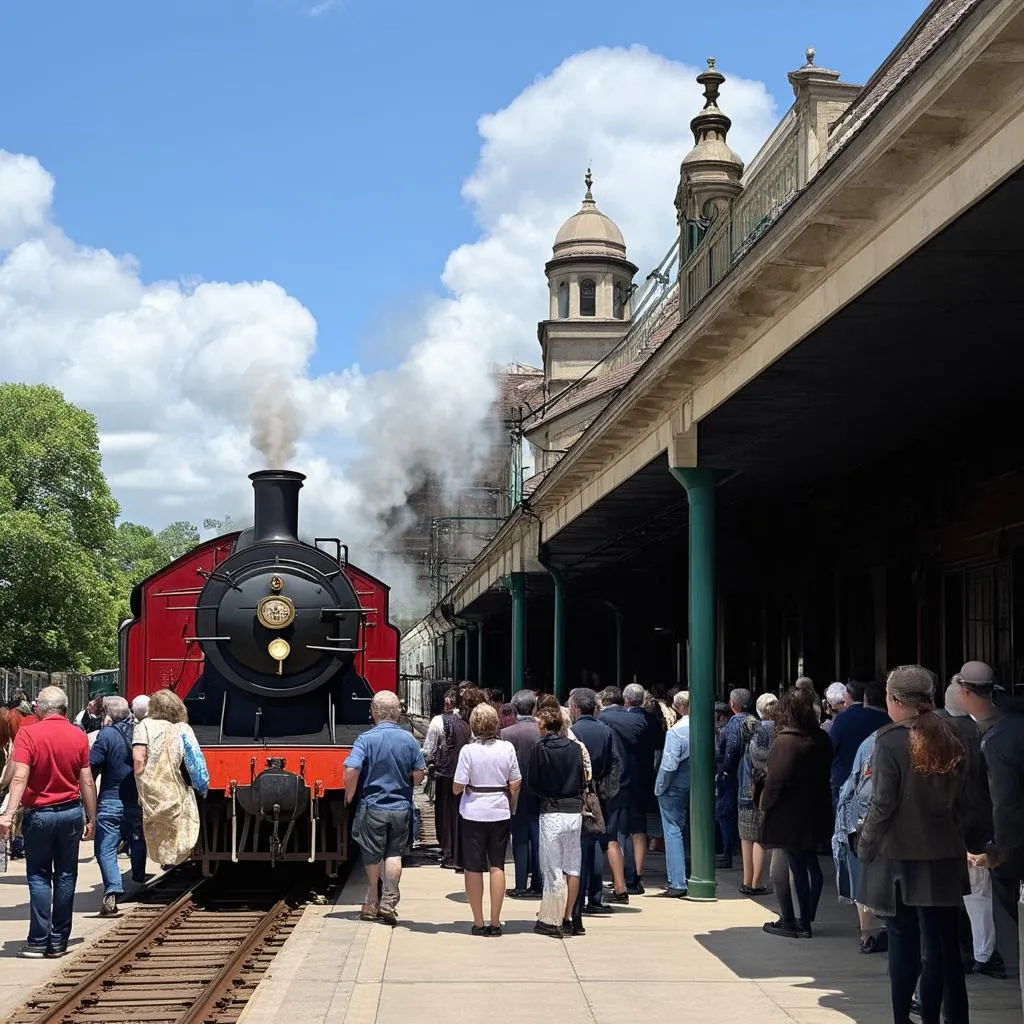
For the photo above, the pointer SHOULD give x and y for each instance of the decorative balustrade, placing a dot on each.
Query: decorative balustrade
(732, 233)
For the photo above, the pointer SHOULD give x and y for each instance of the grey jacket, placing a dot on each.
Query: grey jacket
(912, 834)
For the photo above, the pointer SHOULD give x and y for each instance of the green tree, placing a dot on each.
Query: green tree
(58, 579)
(138, 553)
(178, 538)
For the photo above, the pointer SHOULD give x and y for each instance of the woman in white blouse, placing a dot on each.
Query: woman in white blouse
(488, 779)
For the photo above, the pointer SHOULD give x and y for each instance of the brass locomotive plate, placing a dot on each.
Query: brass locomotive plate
(276, 612)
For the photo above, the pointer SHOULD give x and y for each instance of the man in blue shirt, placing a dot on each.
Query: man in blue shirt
(384, 765)
(672, 788)
(117, 811)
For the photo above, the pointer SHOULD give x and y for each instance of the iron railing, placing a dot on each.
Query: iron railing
(656, 302)
(733, 232)
(727, 239)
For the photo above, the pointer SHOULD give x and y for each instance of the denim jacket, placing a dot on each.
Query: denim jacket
(674, 770)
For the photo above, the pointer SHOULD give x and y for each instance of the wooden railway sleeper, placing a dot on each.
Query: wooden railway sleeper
(80, 993)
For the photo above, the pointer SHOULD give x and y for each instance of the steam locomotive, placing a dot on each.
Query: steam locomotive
(276, 647)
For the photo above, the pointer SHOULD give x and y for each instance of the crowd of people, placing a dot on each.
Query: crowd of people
(150, 770)
(921, 807)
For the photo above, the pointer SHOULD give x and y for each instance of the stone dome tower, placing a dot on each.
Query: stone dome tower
(590, 284)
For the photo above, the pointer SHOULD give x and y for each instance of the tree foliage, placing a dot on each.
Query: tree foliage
(57, 528)
(178, 538)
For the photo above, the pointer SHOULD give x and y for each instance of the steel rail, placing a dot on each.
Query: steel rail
(221, 984)
(84, 989)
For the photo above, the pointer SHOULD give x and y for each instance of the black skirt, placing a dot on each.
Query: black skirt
(484, 844)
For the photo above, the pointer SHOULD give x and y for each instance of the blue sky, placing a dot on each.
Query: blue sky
(250, 139)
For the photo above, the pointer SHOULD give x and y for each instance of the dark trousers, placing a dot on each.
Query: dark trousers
(52, 840)
(727, 817)
(924, 943)
(1005, 897)
(525, 828)
(588, 862)
(446, 819)
(807, 881)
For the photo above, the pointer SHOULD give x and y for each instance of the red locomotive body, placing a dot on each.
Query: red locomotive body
(276, 647)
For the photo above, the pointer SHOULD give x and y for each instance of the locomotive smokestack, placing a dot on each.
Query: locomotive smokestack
(276, 505)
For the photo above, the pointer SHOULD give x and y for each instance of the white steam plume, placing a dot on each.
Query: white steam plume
(275, 423)
(158, 362)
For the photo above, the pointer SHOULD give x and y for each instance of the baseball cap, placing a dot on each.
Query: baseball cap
(976, 675)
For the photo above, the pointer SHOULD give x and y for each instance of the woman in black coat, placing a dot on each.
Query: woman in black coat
(913, 849)
(796, 811)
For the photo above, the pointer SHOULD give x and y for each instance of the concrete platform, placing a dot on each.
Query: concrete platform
(655, 960)
(19, 978)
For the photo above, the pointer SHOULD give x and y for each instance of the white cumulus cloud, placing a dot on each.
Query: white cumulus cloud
(174, 370)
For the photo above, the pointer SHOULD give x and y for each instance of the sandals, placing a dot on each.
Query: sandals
(749, 890)
(368, 913)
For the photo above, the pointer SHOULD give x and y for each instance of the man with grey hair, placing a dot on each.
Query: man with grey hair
(640, 741)
(672, 788)
(606, 769)
(730, 750)
(51, 780)
(524, 735)
(384, 765)
(835, 703)
(118, 817)
(140, 707)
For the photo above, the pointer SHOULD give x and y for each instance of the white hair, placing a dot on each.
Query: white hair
(835, 695)
(140, 706)
(385, 707)
(116, 708)
(634, 695)
(51, 700)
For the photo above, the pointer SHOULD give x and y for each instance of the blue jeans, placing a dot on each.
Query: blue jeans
(115, 822)
(51, 864)
(525, 828)
(674, 805)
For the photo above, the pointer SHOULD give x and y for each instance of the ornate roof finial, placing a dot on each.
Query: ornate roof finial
(588, 181)
(712, 80)
(809, 53)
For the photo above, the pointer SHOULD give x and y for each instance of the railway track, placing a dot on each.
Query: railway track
(191, 956)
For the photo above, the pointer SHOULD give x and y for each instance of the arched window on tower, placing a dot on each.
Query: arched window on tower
(619, 301)
(588, 298)
(563, 301)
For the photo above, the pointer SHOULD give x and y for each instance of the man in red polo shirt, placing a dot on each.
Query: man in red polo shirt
(52, 780)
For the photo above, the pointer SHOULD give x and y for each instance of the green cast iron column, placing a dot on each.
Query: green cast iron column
(517, 588)
(465, 654)
(558, 642)
(700, 493)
